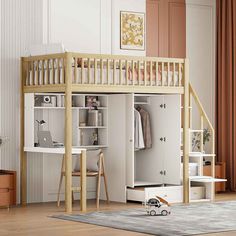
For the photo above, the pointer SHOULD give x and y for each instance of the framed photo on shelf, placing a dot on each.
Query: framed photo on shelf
(132, 30)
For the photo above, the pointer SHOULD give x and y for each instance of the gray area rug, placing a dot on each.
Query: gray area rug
(190, 219)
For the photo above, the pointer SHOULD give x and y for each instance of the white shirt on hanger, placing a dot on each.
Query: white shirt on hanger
(138, 131)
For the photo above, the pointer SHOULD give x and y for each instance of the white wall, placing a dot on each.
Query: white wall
(21, 26)
(200, 19)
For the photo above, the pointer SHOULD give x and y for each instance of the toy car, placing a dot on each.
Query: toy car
(157, 206)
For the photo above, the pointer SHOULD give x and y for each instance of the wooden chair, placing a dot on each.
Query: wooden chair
(100, 173)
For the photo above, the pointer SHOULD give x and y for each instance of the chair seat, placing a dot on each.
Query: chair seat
(88, 173)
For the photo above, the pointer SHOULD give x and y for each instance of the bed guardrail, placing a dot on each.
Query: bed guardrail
(92, 69)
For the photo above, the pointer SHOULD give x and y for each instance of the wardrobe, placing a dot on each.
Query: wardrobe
(154, 168)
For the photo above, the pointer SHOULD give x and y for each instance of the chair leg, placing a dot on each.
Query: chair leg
(60, 183)
(105, 180)
(99, 183)
(59, 190)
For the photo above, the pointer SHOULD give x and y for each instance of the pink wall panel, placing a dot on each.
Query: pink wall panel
(166, 28)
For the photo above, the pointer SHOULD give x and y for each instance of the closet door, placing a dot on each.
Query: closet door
(150, 162)
(172, 124)
(130, 140)
(115, 154)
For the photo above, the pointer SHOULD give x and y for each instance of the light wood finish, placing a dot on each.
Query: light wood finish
(205, 118)
(83, 183)
(186, 135)
(124, 85)
(90, 60)
(201, 134)
(83, 174)
(68, 134)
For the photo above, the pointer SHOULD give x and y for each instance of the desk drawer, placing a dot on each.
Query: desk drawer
(6, 181)
(5, 197)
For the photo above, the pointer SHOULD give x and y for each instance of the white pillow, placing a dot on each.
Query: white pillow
(92, 159)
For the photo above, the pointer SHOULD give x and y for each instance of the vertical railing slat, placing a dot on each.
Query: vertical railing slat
(108, 71)
(101, 71)
(120, 74)
(145, 72)
(168, 74)
(174, 73)
(127, 72)
(133, 70)
(82, 71)
(162, 73)
(58, 70)
(151, 78)
(88, 70)
(95, 70)
(114, 71)
(157, 74)
(139, 73)
(179, 74)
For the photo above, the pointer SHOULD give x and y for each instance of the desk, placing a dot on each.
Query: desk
(79, 151)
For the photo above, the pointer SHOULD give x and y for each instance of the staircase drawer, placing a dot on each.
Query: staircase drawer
(197, 193)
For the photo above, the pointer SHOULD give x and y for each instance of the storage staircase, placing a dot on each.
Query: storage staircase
(199, 157)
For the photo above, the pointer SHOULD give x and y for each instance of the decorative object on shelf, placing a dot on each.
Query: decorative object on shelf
(92, 101)
(53, 101)
(59, 98)
(132, 30)
(82, 124)
(40, 123)
(46, 101)
(95, 138)
(93, 118)
(99, 118)
(196, 140)
(157, 206)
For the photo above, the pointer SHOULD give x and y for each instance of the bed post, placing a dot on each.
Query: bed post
(68, 132)
(23, 161)
(186, 185)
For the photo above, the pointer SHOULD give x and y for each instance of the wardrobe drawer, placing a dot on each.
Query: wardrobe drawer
(6, 181)
(136, 195)
(172, 194)
(197, 193)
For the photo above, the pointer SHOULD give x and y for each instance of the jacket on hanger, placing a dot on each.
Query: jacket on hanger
(138, 131)
(146, 128)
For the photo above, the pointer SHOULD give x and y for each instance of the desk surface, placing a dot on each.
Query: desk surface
(52, 150)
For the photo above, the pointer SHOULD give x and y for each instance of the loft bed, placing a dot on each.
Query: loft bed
(88, 73)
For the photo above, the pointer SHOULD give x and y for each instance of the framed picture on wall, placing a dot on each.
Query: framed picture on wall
(132, 30)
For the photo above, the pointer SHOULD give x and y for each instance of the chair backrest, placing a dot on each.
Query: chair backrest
(93, 160)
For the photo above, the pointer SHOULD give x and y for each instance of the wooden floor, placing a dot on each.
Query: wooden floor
(33, 220)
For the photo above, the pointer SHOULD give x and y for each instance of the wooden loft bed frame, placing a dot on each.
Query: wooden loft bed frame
(75, 72)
